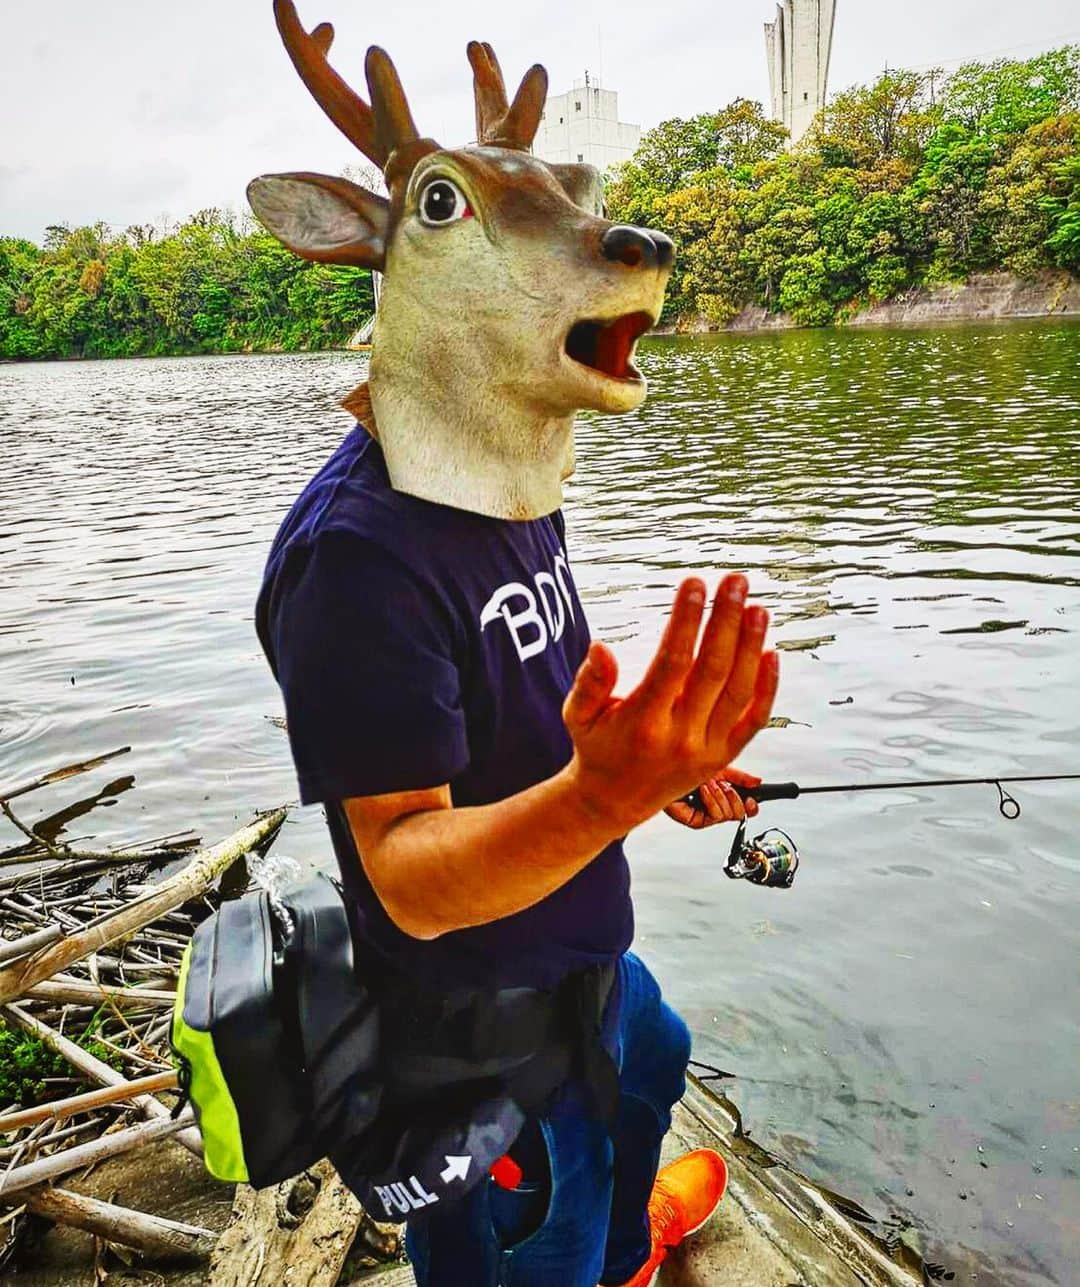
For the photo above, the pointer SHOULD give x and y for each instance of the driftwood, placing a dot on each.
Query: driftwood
(298, 1232)
(74, 1159)
(68, 862)
(78, 926)
(76, 992)
(194, 879)
(61, 774)
(58, 1108)
(12, 949)
(93, 1067)
(402, 1276)
(152, 1235)
(29, 1147)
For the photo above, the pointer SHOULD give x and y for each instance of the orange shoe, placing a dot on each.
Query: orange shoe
(684, 1198)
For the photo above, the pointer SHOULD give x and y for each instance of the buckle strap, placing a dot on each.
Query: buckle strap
(588, 995)
(530, 1040)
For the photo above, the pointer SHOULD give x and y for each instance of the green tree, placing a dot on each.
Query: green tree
(1006, 97)
(1063, 243)
(19, 261)
(206, 287)
(745, 136)
(804, 288)
(1025, 193)
(899, 183)
(948, 194)
(779, 222)
(707, 221)
(675, 151)
(886, 121)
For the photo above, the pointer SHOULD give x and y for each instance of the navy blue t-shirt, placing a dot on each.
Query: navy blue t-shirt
(416, 645)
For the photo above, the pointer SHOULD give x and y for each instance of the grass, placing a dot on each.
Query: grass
(26, 1062)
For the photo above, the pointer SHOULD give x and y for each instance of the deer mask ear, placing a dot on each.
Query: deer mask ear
(327, 219)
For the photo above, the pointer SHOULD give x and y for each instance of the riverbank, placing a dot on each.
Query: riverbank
(984, 297)
(773, 1229)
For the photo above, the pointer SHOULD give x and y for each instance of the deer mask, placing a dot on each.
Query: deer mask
(509, 302)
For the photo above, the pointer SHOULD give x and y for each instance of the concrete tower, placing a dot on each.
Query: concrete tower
(798, 45)
(583, 125)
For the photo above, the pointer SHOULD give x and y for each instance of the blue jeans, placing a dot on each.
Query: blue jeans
(579, 1218)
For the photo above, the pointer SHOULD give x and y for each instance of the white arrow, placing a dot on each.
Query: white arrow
(457, 1168)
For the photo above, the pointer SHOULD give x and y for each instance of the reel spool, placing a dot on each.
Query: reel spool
(771, 858)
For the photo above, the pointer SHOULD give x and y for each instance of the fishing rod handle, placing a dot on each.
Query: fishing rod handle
(762, 793)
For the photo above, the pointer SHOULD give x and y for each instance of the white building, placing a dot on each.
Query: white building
(798, 45)
(584, 125)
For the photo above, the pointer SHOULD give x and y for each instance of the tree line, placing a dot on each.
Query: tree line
(214, 284)
(916, 179)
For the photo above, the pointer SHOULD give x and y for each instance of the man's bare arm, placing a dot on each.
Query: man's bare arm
(438, 868)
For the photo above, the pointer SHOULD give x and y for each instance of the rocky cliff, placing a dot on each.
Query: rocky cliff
(983, 297)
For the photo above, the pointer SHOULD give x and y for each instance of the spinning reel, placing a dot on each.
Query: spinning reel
(769, 859)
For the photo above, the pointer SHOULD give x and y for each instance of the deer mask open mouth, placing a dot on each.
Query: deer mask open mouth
(608, 346)
(488, 255)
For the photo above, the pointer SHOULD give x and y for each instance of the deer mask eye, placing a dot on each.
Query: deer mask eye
(443, 202)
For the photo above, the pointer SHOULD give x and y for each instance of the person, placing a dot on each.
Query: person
(447, 706)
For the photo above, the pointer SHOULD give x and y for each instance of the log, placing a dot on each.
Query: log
(189, 882)
(152, 1235)
(12, 949)
(298, 1233)
(74, 1159)
(85, 1103)
(95, 1068)
(79, 992)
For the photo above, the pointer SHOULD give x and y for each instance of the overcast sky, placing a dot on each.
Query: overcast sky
(130, 110)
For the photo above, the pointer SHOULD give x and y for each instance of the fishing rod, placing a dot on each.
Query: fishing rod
(772, 859)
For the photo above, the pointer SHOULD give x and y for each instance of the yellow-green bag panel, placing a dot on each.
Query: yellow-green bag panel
(223, 1150)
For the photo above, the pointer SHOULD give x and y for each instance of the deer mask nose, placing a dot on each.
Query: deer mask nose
(637, 247)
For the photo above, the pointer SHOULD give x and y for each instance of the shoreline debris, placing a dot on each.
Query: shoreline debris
(90, 948)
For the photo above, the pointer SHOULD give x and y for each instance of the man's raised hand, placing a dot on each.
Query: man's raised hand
(693, 712)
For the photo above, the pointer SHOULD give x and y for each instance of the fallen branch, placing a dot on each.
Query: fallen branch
(74, 1159)
(48, 1139)
(69, 862)
(84, 1103)
(152, 1235)
(12, 949)
(188, 883)
(58, 775)
(98, 1070)
(28, 832)
(77, 992)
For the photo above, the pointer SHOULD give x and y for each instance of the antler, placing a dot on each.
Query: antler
(498, 122)
(393, 118)
(345, 108)
(375, 130)
(388, 124)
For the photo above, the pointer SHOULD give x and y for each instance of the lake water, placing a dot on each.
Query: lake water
(904, 1024)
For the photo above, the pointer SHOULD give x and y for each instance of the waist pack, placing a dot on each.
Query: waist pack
(292, 1048)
